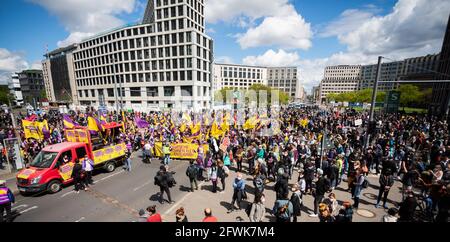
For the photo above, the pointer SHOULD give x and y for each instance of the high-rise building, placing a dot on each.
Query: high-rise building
(32, 86)
(285, 79)
(421, 68)
(316, 94)
(163, 62)
(59, 78)
(238, 76)
(340, 79)
(441, 91)
(15, 90)
(389, 72)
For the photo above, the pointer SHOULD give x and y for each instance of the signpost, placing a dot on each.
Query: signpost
(392, 102)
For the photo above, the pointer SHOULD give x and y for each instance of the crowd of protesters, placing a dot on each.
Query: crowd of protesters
(410, 149)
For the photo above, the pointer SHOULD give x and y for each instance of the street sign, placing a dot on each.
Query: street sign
(392, 101)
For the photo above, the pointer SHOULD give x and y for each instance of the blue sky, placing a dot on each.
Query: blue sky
(303, 33)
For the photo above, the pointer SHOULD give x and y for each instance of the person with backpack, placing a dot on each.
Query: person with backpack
(256, 210)
(283, 209)
(358, 186)
(386, 181)
(191, 173)
(297, 202)
(162, 179)
(259, 183)
(238, 192)
(282, 186)
(322, 186)
(222, 173)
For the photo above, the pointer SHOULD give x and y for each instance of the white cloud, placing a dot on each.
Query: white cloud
(273, 59)
(287, 30)
(10, 62)
(280, 25)
(37, 65)
(224, 60)
(82, 17)
(413, 26)
(348, 21)
(74, 37)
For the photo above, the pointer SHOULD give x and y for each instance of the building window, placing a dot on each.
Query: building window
(135, 91)
(110, 92)
(186, 91)
(169, 91)
(152, 91)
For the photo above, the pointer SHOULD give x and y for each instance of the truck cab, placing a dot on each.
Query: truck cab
(48, 171)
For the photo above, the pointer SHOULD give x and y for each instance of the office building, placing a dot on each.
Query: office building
(32, 86)
(163, 62)
(389, 72)
(440, 104)
(340, 79)
(238, 76)
(15, 90)
(285, 79)
(59, 75)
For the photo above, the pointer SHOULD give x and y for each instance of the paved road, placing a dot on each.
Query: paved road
(115, 196)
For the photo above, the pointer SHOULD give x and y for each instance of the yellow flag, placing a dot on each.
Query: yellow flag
(31, 130)
(92, 125)
(195, 128)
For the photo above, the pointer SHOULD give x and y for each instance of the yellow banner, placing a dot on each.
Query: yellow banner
(66, 171)
(181, 151)
(109, 153)
(31, 130)
(77, 135)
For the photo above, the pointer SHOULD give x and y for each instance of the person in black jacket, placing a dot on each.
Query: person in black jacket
(322, 186)
(282, 186)
(386, 181)
(309, 176)
(407, 207)
(297, 202)
(162, 179)
(77, 177)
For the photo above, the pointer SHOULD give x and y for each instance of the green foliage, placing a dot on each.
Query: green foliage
(410, 95)
(221, 95)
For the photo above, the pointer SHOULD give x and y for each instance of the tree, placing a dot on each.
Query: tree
(410, 95)
(5, 96)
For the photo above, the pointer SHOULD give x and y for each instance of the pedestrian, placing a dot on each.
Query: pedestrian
(297, 202)
(333, 204)
(259, 183)
(153, 215)
(180, 215)
(7, 199)
(222, 173)
(191, 173)
(78, 177)
(407, 207)
(163, 179)
(324, 214)
(214, 177)
(238, 192)
(257, 210)
(391, 216)
(143, 215)
(282, 186)
(386, 181)
(358, 186)
(166, 151)
(208, 165)
(128, 161)
(88, 167)
(322, 186)
(208, 216)
(301, 181)
(147, 153)
(283, 209)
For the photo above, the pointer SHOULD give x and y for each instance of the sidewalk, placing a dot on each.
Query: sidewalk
(194, 203)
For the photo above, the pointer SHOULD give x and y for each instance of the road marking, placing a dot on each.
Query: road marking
(141, 186)
(67, 193)
(28, 209)
(181, 200)
(106, 177)
(82, 218)
(18, 206)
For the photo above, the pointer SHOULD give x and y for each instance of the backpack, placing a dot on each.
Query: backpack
(259, 184)
(158, 180)
(283, 212)
(248, 209)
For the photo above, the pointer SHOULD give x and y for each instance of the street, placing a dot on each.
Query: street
(117, 196)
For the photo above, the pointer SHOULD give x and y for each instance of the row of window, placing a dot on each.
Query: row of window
(242, 75)
(186, 91)
(146, 77)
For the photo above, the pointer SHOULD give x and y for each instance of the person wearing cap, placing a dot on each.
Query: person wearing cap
(7, 199)
(208, 216)
(153, 215)
(322, 186)
(143, 215)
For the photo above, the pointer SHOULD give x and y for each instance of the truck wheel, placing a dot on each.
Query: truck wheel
(54, 186)
(110, 167)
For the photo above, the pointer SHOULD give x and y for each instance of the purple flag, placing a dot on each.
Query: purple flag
(141, 123)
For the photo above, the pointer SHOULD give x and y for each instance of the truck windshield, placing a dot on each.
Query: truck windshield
(44, 159)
